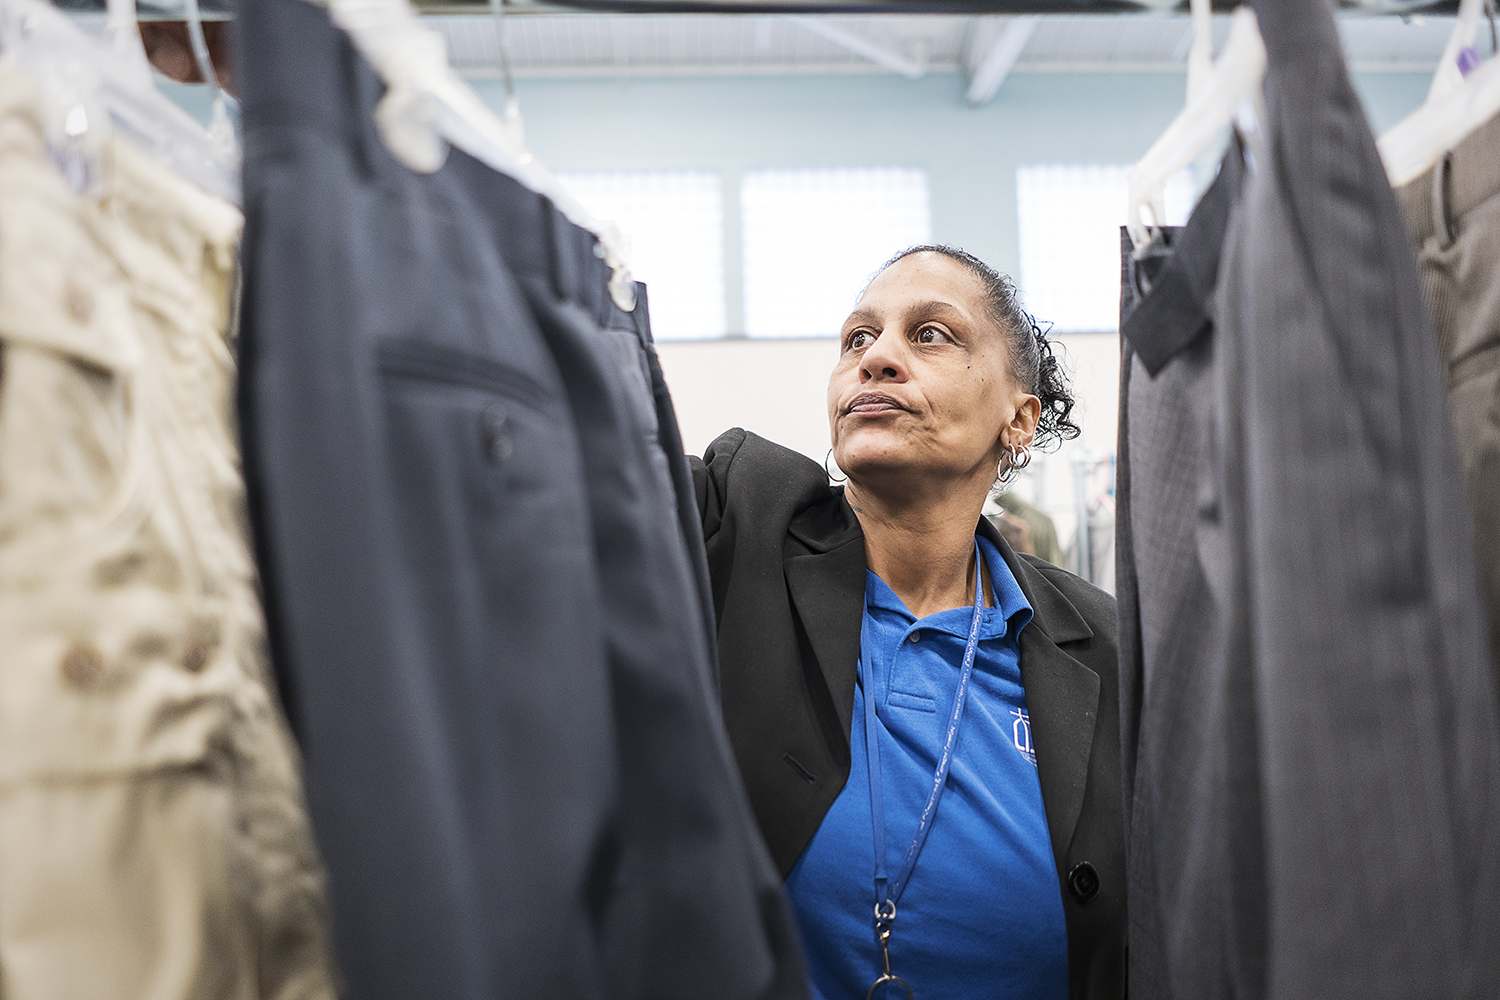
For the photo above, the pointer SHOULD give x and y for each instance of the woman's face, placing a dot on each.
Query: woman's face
(923, 385)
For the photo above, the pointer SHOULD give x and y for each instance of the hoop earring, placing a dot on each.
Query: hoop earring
(1017, 458)
(830, 474)
(1020, 457)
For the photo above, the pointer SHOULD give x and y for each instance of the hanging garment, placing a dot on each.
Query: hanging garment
(153, 839)
(1348, 775)
(470, 503)
(701, 911)
(1101, 536)
(1196, 899)
(1453, 212)
(1041, 529)
(1016, 532)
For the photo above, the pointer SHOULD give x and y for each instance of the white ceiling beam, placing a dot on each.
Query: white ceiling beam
(992, 64)
(896, 62)
(979, 38)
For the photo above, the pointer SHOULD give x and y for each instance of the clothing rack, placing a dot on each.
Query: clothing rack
(219, 9)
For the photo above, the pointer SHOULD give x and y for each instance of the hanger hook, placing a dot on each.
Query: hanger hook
(200, 45)
(124, 29)
(498, 6)
(1201, 53)
(221, 129)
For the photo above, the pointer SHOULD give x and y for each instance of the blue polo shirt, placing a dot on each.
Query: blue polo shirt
(982, 916)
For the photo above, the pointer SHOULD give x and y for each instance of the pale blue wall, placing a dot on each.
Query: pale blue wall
(731, 124)
(970, 154)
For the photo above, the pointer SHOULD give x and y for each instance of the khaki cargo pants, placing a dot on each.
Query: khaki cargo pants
(154, 843)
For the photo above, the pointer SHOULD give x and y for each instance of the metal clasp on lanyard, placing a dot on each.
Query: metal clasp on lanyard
(885, 916)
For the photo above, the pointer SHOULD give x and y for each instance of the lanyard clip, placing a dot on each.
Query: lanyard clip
(885, 916)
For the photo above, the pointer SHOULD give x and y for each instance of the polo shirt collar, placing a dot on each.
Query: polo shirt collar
(1009, 614)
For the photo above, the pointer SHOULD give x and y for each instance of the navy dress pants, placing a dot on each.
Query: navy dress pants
(484, 573)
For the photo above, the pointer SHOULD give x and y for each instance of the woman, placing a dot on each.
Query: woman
(884, 620)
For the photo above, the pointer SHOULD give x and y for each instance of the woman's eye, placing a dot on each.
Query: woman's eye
(860, 339)
(932, 335)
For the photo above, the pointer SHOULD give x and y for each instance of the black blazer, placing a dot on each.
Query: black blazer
(787, 560)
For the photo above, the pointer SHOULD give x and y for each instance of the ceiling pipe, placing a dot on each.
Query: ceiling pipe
(889, 59)
(991, 70)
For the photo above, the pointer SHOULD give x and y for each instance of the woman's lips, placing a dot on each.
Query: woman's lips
(874, 402)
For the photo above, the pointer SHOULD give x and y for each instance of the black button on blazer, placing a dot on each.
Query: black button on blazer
(787, 561)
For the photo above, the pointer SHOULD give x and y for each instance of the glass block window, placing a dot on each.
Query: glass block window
(1069, 219)
(673, 223)
(813, 238)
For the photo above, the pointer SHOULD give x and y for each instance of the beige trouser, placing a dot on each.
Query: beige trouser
(154, 844)
(1453, 211)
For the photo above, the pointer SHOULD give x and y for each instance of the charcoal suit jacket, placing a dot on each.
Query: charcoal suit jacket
(787, 561)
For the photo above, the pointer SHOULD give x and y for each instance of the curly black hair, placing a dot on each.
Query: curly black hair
(1035, 364)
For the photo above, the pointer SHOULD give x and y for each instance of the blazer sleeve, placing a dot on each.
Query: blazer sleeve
(711, 478)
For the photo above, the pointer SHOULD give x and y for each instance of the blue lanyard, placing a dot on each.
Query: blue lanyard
(887, 890)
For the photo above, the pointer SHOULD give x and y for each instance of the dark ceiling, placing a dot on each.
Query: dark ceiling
(952, 6)
(172, 9)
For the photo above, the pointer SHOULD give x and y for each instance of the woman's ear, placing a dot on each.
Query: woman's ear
(1022, 428)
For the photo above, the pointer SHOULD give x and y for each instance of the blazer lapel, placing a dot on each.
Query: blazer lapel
(1062, 695)
(1062, 700)
(827, 586)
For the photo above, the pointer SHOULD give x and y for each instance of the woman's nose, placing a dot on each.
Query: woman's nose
(883, 362)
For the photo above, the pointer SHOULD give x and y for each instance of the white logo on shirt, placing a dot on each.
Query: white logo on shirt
(1021, 731)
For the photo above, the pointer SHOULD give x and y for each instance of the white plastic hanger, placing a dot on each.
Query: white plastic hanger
(1455, 106)
(511, 118)
(1230, 88)
(427, 106)
(220, 128)
(97, 87)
